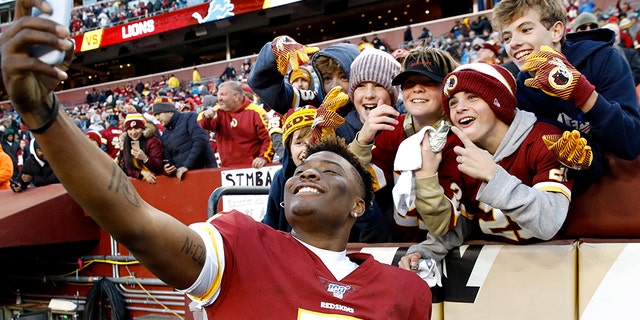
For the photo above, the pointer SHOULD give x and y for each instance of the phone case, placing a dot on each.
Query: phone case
(61, 15)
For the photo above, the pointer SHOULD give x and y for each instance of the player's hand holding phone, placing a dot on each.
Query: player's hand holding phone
(60, 13)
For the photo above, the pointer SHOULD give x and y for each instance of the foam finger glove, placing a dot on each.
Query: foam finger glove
(290, 53)
(335, 99)
(327, 119)
(555, 76)
(572, 150)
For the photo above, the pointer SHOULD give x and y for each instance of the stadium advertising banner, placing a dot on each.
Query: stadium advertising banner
(199, 14)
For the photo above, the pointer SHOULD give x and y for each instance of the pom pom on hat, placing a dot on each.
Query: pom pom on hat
(163, 104)
(373, 65)
(301, 73)
(492, 83)
(134, 120)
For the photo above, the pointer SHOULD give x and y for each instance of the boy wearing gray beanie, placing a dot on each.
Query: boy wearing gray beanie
(370, 81)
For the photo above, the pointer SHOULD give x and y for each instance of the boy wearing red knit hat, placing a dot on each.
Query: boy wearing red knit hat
(510, 186)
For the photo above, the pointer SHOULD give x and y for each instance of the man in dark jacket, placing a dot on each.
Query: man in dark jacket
(229, 73)
(36, 170)
(186, 145)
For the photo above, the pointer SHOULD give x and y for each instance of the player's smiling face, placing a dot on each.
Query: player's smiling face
(321, 189)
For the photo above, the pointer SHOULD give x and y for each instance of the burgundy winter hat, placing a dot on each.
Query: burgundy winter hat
(134, 120)
(491, 82)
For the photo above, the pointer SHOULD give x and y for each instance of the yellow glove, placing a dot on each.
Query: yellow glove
(555, 76)
(288, 52)
(572, 151)
(327, 119)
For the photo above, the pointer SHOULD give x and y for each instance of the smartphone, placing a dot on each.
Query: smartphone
(61, 15)
(135, 145)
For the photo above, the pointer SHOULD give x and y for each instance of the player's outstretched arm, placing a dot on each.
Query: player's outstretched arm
(163, 244)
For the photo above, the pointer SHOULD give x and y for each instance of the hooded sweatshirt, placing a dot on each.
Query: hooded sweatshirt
(267, 82)
(613, 124)
(522, 194)
(39, 169)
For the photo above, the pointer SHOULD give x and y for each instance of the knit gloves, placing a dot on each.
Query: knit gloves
(572, 151)
(555, 76)
(327, 120)
(288, 52)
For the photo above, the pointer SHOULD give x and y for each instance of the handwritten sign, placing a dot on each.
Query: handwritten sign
(249, 177)
(252, 205)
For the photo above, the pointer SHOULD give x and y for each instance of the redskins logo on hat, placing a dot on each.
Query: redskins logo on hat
(133, 124)
(450, 84)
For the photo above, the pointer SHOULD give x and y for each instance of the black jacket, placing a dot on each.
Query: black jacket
(42, 175)
(186, 144)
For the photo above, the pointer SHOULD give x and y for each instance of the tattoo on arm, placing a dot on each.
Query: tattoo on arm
(120, 182)
(197, 252)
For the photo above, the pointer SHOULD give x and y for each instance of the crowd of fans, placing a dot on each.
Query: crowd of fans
(467, 41)
(110, 13)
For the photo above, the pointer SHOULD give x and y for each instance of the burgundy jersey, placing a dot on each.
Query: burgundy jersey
(532, 163)
(270, 275)
(410, 227)
(112, 135)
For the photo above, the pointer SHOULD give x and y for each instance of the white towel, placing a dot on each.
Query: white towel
(408, 158)
(429, 272)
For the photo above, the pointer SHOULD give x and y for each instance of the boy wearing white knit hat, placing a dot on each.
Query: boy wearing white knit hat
(370, 81)
(509, 185)
(421, 82)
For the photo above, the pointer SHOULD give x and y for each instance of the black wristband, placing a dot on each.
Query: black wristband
(53, 116)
